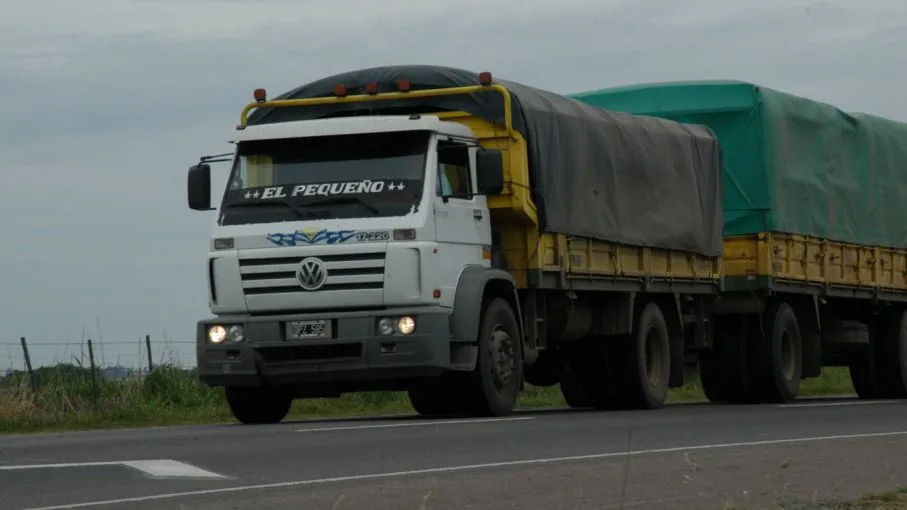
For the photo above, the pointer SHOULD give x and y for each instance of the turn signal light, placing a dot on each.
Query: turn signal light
(404, 234)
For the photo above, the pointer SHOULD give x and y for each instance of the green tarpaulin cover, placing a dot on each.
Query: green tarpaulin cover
(791, 164)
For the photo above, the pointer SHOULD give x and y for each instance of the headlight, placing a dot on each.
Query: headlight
(406, 325)
(386, 327)
(217, 334)
(237, 334)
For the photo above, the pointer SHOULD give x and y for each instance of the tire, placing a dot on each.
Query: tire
(710, 375)
(778, 355)
(495, 382)
(543, 372)
(724, 370)
(863, 373)
(643, 364)
(891, 358)
(428, 398)
(440, 396)
(576, 394)
(257, 406)
(590, 373)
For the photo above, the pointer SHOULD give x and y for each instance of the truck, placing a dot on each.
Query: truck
(814, 270)
(445, 233)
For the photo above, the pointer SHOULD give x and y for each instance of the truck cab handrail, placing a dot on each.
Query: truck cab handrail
(414, 94)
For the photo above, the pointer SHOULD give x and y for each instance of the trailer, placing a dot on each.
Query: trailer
(442, 232)
(814, 269)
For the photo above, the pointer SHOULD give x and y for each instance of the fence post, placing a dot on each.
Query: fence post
(31, 373)
(148, 348)
(94, 376)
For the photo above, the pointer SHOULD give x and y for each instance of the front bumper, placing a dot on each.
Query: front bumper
(356, 352)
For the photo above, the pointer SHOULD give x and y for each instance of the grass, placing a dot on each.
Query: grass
(891, 500)
(884, 501)
(66, 399)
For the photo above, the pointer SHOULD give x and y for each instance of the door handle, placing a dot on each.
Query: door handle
(477, 214)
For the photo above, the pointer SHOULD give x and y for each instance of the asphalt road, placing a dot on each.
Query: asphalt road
(683, 456)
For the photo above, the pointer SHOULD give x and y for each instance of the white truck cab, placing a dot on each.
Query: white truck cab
(340, 250)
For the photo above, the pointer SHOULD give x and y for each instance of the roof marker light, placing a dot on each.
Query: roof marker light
(340, 90)
(371, 88)
(260, 95)
(404, 85)
(485, 78)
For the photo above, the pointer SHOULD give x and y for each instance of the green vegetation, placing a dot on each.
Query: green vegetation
(67, 399)
(891, 500)
(884, 501)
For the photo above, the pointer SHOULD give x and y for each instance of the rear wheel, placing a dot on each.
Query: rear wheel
(724, 370)
(891, 359)
(710, 375)
(544, 371)
(494, 384)
(643, 361)
(256, 406)
(576, 394)
(863, 373)
(589, 379)
(778, 355)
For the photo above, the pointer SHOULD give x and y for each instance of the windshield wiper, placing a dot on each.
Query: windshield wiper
(346, 200)
(299, 212)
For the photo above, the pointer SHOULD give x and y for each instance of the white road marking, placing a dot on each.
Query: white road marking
(161, 468)
(167, 468)
(54, 466)
(76, 433)
(468, 467)
(416, 424)
(848, 403)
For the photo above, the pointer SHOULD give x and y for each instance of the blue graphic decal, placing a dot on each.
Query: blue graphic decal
(312, 237)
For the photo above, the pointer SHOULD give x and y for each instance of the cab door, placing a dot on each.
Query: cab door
(461, 217)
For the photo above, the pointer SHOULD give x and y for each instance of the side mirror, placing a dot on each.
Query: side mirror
(199, 187)
(489, 171)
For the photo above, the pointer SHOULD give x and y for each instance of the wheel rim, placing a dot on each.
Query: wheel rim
(502, 357)
(654, 353)
(788, 363)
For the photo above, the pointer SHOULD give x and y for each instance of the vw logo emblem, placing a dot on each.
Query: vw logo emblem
(311, 273)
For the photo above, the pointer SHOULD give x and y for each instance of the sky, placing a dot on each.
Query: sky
(106, 103)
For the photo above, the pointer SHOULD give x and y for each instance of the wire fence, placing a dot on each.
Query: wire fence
(106, 360)
(89, 383)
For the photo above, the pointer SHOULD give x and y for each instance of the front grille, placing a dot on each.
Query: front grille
(277, 275)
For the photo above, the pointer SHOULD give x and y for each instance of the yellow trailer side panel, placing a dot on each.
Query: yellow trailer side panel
(585, 258)
(803, 259)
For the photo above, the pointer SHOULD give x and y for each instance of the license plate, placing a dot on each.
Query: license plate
(300, 330)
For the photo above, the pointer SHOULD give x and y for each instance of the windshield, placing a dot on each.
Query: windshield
(339, 176)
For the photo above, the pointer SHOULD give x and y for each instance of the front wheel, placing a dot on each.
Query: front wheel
(495, 382)
(256, 406)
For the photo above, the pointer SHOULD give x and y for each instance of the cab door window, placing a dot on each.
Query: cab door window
(454, 179)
